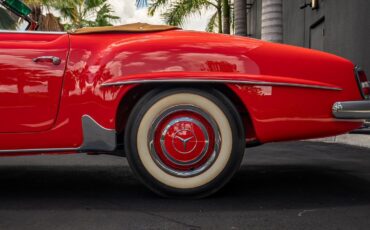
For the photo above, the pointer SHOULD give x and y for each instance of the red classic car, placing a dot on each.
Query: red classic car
(181, 105)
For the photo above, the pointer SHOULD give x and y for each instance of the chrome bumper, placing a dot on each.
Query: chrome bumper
(352, 110)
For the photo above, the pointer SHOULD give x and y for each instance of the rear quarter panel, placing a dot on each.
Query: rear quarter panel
(278, 112)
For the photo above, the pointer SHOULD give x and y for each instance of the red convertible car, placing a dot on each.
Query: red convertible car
(181, 105)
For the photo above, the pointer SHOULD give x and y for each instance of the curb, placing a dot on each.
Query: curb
(360, 140)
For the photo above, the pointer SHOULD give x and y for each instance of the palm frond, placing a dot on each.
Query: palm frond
(180, 10)
(212, 24)
(156, 5)
(104, 16)
(81, 13)
(92, 4)
(67, 9)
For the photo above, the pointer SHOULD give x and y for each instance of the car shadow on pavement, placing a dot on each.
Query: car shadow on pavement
(114, 188)
(291, 184)
(296, 187)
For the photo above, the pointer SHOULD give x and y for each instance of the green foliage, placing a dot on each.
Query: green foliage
(157, 4)
(180, 10)
(212, 24)
(40, 3)
(104, 16)
(176, 12)
(82, 13)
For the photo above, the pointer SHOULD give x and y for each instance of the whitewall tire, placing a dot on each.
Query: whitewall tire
(184, 141)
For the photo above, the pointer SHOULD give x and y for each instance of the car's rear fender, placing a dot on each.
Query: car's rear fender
(260, 96)
(131, 98)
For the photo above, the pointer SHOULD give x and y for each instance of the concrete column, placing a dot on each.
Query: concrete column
(240, 10)
(272, 20)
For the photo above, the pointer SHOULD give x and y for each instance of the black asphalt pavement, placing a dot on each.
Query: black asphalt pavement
(295, 185)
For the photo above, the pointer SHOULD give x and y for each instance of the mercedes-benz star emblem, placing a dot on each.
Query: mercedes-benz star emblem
(184, 136)
(184, 141)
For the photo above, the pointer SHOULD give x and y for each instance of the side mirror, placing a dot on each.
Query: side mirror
(17, 7)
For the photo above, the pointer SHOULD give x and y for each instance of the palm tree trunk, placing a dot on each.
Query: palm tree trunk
(49, 22)
(240, 11)
(226, 16)
(219, 16)
(36, 12)
(46, 22)
(272, 20)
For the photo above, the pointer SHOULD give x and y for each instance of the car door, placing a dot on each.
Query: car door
(32, 66)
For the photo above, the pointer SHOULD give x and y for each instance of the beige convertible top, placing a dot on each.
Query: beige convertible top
(129, 28)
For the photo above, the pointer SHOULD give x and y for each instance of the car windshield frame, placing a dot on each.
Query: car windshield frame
(32, 25)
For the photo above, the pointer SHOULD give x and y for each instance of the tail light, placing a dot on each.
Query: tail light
(363, 83)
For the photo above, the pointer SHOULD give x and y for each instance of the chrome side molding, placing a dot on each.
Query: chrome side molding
(357, 110)
(30, 32)
(242, 82)
(96, 138)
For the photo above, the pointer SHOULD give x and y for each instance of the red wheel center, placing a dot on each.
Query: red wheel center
(184, 140)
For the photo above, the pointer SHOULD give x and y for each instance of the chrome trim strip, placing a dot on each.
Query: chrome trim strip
(246, 82)
(31, 32)
(51, 150)
(356, 110)
(95, 138)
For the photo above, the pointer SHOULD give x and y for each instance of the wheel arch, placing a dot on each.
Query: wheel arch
(129, 100)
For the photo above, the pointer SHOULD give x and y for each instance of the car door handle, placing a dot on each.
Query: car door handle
(54, 60)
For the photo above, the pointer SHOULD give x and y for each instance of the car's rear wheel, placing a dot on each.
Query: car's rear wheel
(184, 142)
